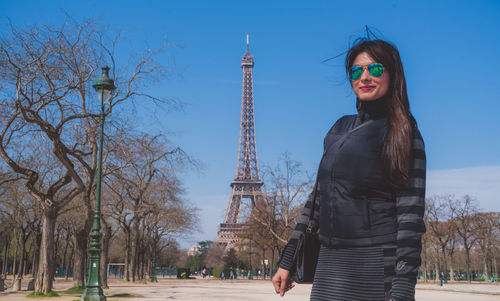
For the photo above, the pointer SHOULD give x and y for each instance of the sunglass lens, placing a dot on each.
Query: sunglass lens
(356, 72)
(376, 69)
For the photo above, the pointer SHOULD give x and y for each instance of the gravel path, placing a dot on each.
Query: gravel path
(243, 290)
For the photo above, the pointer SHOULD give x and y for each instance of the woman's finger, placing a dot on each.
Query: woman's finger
(277, 284)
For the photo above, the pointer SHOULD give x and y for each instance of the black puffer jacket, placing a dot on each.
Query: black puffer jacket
(357, 206)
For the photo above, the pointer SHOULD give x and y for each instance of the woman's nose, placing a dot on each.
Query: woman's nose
(365, 75)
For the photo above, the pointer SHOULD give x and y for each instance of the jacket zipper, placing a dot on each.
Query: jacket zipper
(368, 210)
(343, 139)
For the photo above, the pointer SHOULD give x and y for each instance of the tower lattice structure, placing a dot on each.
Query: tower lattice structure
(246, 183)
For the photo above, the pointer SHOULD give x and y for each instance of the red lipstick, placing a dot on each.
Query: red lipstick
(367, 88)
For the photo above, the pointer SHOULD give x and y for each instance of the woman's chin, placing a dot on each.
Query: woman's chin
(367, 98)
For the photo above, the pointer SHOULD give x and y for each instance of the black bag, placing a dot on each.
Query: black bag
(306, 254)
(306, 257)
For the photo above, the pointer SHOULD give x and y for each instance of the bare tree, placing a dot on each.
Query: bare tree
(46, 74)
(488, 238)
(439, 221)
(286, 186)
(21, 213)
(146, 187)
(215, 256)
(256, 238)
(121, 212)
(169, 253)
(450, 248)
(107, 230)
(168, 218)
(464, 211)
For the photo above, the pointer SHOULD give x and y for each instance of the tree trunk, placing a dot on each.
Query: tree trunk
(37, 241)
(424, 249)
(486, 272)
(495, 267)
(14, 264)
(467, 263)
(263, 273)
(436, 267)
(68, 263)
(143, 261)
(106, 238)
(445, 268)
(56, 247)
(5, 257)
(45, 274)
(34, 264)
(21, 260)
(135, 249)
(80, 243)
(26, 265)
(272, 263)
(65, 253)
(127, 256)
(425, 260)
(452, 272)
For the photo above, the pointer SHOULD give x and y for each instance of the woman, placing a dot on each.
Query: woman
(371, 190)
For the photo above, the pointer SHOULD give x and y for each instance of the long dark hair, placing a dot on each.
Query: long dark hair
(396, 150)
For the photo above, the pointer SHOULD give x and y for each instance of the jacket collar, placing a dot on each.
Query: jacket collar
(374, 109)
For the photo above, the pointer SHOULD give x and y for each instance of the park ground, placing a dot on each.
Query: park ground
(241, 290)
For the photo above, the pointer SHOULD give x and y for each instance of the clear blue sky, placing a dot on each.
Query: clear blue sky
(449, 50)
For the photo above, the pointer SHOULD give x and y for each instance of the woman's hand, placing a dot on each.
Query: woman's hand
(282, 281)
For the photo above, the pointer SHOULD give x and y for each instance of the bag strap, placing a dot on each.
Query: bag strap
(315, 189)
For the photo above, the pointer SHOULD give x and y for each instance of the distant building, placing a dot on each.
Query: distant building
(194, 250)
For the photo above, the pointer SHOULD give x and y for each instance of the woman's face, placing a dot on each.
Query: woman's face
(368, 87)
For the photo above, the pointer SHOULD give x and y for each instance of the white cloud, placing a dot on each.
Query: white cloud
(481, 182)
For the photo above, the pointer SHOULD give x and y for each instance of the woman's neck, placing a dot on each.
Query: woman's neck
(373, 109)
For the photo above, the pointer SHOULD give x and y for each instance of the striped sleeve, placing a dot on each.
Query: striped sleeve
(286, 260)
(410, 203)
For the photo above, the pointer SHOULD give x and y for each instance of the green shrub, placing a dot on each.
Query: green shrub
(123, 295)
(41, 295)
(183, 273)
(216, 272)
(75, 289)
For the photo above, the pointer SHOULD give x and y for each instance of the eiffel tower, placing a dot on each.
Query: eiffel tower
(246, 183)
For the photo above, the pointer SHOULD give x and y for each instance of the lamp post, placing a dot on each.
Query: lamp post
(93, 287)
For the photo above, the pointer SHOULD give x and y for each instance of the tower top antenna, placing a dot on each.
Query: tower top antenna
(247, 42)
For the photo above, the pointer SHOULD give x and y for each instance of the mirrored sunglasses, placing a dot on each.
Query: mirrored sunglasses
(375, 70)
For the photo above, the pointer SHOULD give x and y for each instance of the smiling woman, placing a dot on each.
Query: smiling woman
(370, 190)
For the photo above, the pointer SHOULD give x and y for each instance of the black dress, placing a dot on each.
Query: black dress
(353, 274)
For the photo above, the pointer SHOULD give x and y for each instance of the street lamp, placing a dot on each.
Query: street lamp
(93, 288)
